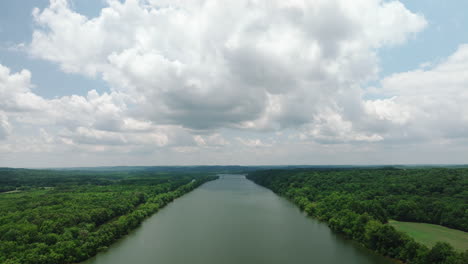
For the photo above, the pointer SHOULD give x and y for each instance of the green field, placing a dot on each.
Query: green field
(429, 234)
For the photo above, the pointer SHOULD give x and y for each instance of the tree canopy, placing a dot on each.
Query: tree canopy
(68, 216)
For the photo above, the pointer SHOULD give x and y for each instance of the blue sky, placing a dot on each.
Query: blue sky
(189, 83)
(16, 27)
(447, 29)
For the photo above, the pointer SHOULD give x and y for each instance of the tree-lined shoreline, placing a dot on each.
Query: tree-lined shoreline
(82, 214)
(359, 202)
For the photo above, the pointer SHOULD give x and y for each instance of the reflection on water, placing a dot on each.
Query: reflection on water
(233, 220)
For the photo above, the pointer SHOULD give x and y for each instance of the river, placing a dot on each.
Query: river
(233, 221)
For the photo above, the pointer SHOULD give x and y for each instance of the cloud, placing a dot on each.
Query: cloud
(5, 127)
(228, 81)
(206, 65)
(15, 93)
(96, 119)
(252, 143)
(211, 141)
(88, 136)
(427, 103)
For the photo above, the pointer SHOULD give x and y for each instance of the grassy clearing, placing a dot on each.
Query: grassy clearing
(429, 234)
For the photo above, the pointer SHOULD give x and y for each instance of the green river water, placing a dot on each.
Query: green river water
(233, 221)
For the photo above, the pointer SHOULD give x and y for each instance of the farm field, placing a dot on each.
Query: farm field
(429, 234)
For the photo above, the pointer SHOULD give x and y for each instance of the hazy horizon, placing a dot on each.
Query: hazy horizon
(251, 165)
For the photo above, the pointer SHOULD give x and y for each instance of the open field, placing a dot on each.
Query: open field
(429, 234)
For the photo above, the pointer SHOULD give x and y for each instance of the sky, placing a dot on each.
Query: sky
(249, 82)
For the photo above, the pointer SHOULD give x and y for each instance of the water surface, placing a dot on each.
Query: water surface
(233, 221)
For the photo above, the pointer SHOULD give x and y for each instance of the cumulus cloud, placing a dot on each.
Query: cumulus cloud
(207, 76)
(15, 93)
(428, 102)
(206, 64)
(94, 119)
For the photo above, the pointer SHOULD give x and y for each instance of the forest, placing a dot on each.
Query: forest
(358, 203)
(57, 216)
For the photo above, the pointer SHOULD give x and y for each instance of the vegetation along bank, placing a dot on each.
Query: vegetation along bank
(58, 217)
(359, 203)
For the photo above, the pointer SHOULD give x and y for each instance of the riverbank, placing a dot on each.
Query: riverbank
(83, 213)
(357, 203)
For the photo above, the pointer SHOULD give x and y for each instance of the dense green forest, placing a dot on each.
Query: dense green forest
(359, 202)
(51, 216)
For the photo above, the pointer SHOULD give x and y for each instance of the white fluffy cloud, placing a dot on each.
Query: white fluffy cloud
(213, 77)
(427, 103)
(206, 64)
(15, 93)
(96, 119)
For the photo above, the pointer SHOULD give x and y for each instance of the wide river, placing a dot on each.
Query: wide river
(233, 220)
